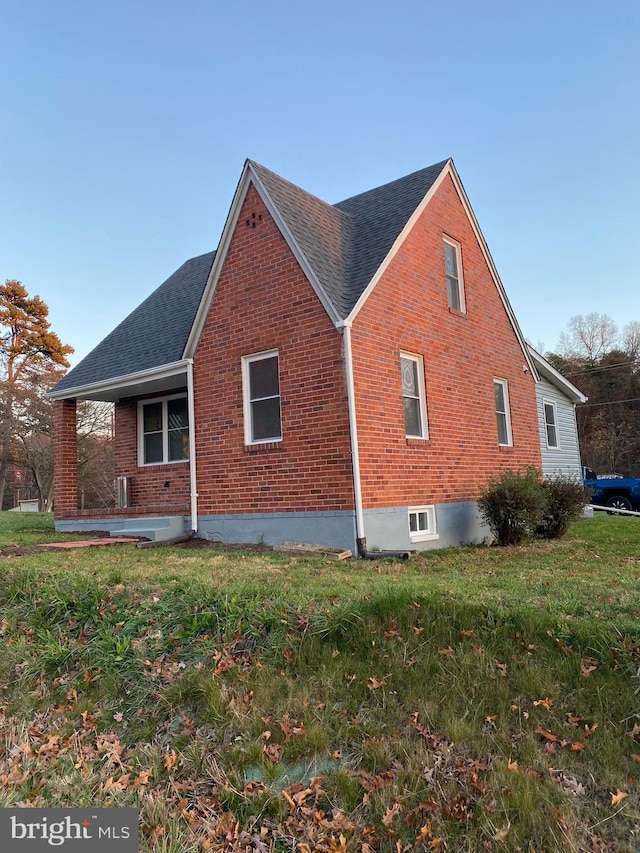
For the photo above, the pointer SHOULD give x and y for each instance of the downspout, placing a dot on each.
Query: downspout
(192, 449)
(361, 540)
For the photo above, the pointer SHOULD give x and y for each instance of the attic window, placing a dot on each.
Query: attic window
(453, 270)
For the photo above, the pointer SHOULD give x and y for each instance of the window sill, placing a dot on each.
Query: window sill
(424, 537)
(159, 465)
(457, 313)
(417, 442)
(506, 448)
(264, 447)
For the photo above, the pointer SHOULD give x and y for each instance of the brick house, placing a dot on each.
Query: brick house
(340, 374)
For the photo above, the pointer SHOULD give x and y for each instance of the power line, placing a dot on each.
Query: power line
(587, 369)
(611, 402)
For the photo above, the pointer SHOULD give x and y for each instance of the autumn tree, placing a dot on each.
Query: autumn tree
(29, 351)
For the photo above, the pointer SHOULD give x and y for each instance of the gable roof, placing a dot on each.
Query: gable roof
(342, 249)
(548, 372)
(346, 243)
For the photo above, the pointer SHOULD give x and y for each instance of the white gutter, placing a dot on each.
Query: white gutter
(192, 447)
(353, 427)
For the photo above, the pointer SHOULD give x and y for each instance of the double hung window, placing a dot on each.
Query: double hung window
(413, 396)
(453, 270)
(163, 430)
(262, 417)
(551, 424)
(503, 416)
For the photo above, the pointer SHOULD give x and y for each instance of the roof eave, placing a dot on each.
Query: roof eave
(113, 389)
(556, 378)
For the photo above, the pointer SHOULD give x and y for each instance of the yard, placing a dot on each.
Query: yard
(470, 699)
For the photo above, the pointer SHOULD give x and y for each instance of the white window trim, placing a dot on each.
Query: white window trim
(422, 394)
(165, 431)
(507, 413)
(554, 407)
(458, 250)
(246, 397)
(431, 533)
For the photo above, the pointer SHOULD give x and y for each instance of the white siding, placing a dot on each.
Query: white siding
(564, 459)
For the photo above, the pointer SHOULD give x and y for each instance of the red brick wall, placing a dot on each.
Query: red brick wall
(65, 450)
(263, 301)
(408, 311)
(165, 488)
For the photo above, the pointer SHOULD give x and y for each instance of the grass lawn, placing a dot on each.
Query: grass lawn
(471, 699)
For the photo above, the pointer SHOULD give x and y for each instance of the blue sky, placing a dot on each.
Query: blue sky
(125, 126)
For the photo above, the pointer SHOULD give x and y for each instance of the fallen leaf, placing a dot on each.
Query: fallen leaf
(375, 683)
(618, 797)
(512, 765)
(501, 667)
(578, 746)
(170, 759)
(501, 834)
(142, 778)
(446, 653)
(546, 703)
(546, 734)
(391, 813)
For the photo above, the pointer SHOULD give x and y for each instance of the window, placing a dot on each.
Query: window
(551, 424)
(502, 411)
(422, 523)
(453, 269)
(163, 430)
(261, 398)
(413, 396)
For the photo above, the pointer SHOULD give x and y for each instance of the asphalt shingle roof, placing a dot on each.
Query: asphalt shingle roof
(155, 333)
(345, 244)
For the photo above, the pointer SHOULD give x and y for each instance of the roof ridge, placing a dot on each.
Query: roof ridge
(396, 181)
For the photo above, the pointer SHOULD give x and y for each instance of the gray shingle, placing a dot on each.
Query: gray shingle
(323, 232)
(155, 333)
(344, 244)
(379, 215)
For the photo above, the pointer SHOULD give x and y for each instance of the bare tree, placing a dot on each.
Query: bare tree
(589, 337)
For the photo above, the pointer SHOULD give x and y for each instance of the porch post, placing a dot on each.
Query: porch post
(65, 449)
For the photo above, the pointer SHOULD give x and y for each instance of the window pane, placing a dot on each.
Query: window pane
(423, 522)
(153, 447)
(152, 417)
(450, 260)
(263, 378)
(177, 413)
(552, 439)
(413, 522)
(178, 444)
(503, 436)
(499, 390)
(412, 420)
(409, 377)
(453, 289)
(266, 419)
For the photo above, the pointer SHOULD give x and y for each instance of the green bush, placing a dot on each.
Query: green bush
(565, 499)
(513, 505)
